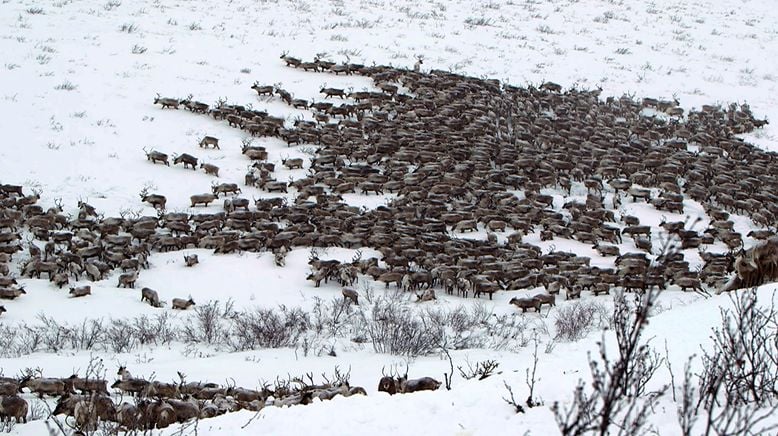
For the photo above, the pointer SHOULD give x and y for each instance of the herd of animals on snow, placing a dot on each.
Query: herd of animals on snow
(461, 154)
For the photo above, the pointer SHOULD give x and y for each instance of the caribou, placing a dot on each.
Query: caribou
(156, 156)
(186, 160)
(182, 304)
(167, 102)
(209, 141)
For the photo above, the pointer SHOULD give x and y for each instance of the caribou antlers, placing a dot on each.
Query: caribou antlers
(419, 61)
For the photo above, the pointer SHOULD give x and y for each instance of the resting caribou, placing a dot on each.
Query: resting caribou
(44, 386)
(81, 291)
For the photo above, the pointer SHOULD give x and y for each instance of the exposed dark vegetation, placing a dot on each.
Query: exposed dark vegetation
(734, 393)
(737, 390)
(620, 398)
(386, 324)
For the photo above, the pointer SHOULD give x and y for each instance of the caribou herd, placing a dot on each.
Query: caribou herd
(147, 404)
(459, 154)
(456, 149)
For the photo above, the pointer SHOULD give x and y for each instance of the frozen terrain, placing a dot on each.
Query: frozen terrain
(77, 83)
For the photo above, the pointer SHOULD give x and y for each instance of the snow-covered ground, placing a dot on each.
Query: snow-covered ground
(77, 83)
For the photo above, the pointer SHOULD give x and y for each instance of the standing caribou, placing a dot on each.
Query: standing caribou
(209, 141)
(167, 102)
(156, 156)
(185, 159)
(156, 200)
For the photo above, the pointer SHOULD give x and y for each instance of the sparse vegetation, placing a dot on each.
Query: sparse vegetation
(128, 28)
(66, 86)
(574, 321)
(545, 29)
(478, 21)
(387, 325)
(480, 371)
(737, 390)
(502, 156)
(112, 4)
(619, 395)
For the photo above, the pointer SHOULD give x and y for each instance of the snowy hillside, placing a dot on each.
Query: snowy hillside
(78, 84)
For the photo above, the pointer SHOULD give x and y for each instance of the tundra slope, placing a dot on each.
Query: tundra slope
(541, 202)
(703, 55)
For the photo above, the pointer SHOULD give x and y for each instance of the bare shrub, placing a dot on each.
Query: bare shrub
(128, 27)
(745, 352)
(85, 336)
(737, 389)
(208, 325)
(478, 21)
(545, 29)
(28, 340)
(267, 328)
(531, 376)
(330, 318)
(120, 336)
(66, 86)
(54, 337)
(511, 399)
(159, 330)
(144, 330)
(482, 370)
(7, 339)
(531, 380)
(576, 320)
(618, 402)
(457, 325)
(112, 4)
(394, 329)
(387, 322)
(507, 332)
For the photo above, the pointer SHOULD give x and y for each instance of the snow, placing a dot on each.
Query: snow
(77, 86)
